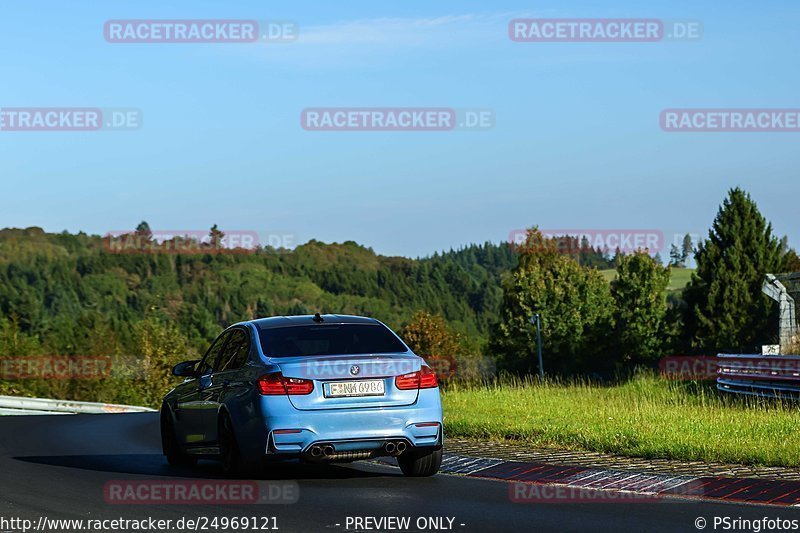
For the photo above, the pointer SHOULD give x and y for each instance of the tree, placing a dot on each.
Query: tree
(687, 249)
(159, 346)
(575, 304)
(215, 237)
(13, 341)
(16, 343)
(617, 255)
(790, 262)
(675, 257)
(143, 232)
(726, 308)
(640, 303)
(430, 337)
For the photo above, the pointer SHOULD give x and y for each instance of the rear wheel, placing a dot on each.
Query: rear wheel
(172, 449)
(417, 463)
(228, 448)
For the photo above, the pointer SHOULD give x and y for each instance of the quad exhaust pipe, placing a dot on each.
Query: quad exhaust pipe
(327, 451)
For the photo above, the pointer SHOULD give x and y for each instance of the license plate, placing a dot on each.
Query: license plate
(373, 387)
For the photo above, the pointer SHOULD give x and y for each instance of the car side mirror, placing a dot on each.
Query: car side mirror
(185, 369)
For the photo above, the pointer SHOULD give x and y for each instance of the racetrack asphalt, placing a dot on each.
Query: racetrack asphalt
(61, 467)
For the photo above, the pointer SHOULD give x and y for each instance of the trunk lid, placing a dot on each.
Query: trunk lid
(351, 381)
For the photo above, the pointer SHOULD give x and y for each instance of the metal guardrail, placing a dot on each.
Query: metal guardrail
(769, 376)
(14, 405)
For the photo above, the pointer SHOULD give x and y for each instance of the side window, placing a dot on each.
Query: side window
(240, 359)
(235, 353)
(207, 364)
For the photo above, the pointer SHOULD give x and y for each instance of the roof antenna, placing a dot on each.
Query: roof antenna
(318, 318)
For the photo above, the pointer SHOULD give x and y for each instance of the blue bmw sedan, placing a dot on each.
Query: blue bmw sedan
(326, 388)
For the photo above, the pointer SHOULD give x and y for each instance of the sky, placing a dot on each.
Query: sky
(575, 141)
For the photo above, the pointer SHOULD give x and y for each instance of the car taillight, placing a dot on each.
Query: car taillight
(275, 383)
(423, 379)
(407, 381)
(428, 378)
(271, 384)
(298, 386)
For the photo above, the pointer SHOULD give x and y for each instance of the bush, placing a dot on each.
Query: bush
(444, 349)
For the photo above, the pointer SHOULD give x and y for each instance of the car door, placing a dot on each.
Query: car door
(226, 377)
(196, 405)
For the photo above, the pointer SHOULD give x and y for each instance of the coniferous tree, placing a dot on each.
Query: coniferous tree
(143, 231)
(726, 309)
(215, 237)
(639, 293)
(675, 257)
(686, 249)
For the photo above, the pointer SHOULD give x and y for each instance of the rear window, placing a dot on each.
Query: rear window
(320, 339)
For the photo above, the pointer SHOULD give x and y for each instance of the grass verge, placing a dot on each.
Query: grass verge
(645, 417)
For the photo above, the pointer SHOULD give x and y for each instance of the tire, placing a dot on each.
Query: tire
(232, 464)
(421, 463)
(175, 454)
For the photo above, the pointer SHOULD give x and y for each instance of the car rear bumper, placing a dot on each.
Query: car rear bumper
(292, 432)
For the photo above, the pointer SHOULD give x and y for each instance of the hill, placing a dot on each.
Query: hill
(64, 290)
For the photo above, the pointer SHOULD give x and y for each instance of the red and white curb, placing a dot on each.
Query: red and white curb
(577, 484)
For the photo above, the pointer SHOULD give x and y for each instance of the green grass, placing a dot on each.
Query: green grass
(610, 274)
(646, 417)
(678, 280)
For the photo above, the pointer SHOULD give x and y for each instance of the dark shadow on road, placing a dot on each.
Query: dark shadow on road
(155, 465)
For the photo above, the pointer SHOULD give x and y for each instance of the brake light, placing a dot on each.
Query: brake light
(276, 384)
(271, 384)
(407, 381)
(423, 379)
(428, 378)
